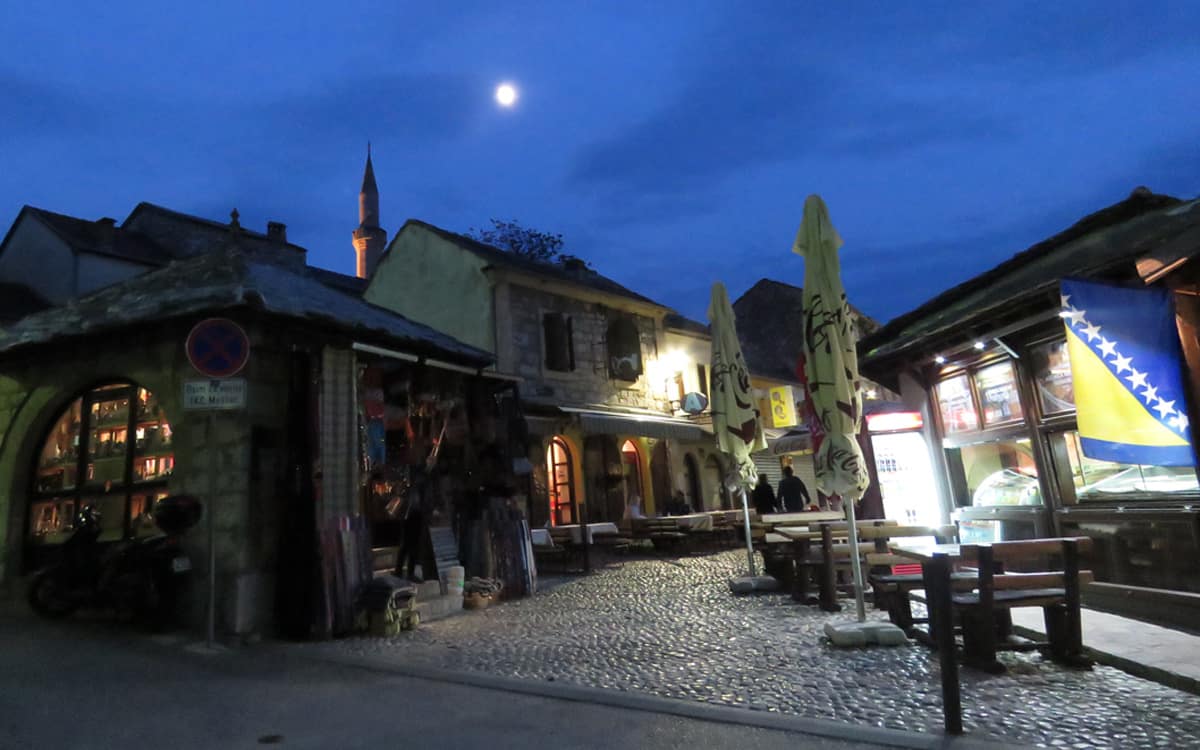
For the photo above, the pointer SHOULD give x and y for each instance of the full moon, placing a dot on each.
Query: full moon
(506, 94)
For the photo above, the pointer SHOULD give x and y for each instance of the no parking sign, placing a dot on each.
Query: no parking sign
(218, 348)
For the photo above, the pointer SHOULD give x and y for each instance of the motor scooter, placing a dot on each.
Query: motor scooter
(139, 579)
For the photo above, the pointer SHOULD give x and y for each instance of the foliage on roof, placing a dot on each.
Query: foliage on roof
(575, 273)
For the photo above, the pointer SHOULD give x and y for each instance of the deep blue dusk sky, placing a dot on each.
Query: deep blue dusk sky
(671, 143)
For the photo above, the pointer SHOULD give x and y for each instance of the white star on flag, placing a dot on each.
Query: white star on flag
(1150, 394)
(1107, 348)
(1075, 316)
(1137, 379)
(1122, 364)
(1092, 331)
(1179, 422)
(1164, 408)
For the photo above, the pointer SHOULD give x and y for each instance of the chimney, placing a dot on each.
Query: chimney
(277, 232)
(108, 229)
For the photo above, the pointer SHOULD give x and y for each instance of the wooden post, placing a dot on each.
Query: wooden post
(941, 619)
(1074, 644)
(828, 574)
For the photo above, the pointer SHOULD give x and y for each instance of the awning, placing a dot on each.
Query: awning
(544, 426)
(796, 441)
(663, 428)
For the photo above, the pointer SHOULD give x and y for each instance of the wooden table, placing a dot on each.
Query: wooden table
(772, 520)
(802, 538)
(936, 561)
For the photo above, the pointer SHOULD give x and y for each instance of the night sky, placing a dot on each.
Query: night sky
(671, 143)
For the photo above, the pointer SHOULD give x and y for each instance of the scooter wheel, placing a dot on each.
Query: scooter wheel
(48, 596)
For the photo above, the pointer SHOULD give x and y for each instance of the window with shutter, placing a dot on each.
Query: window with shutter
(557, 335)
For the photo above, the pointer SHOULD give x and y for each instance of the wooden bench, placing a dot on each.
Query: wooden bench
(665, 534)
(1055, 587)
(890, 590)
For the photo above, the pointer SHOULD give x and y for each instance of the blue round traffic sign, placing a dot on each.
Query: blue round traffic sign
(218, 347)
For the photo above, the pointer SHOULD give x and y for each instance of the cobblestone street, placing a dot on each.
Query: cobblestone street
(671, 628)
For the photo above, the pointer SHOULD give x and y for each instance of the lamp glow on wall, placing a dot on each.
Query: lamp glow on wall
(666, 369)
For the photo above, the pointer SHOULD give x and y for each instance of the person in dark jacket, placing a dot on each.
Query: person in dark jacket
(764, 496)
(793, 495)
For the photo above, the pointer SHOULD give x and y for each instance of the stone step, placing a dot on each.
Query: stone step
(437, 608)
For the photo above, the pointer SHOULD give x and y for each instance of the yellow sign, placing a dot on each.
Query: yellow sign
(783, 406)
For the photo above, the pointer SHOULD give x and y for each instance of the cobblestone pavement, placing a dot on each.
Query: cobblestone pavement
(671, 628)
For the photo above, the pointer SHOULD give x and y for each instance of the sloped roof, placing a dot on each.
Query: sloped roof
(682, 323)
(230, 278)
(770, 326)
(18, 300)
(101, 237)
(1101, 244)
(185, 236)
(583, 277)
(341, 281)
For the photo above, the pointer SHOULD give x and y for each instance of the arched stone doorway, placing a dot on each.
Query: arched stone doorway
(631, 469)
(691, 480)
(714, 481)
(560, 482)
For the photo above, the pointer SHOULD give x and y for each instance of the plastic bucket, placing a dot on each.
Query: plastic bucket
(453, 580)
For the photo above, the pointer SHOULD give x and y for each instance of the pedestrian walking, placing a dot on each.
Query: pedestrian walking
(764, 496)
(793, 495)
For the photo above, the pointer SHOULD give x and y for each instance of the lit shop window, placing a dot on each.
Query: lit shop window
(1052, 376)
(999, 473)
(957, 405)
(998, 397)
(1097, 480)
(89, 458)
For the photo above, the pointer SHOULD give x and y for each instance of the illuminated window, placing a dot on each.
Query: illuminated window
(121, 478)
(561, 483)
(957, 405)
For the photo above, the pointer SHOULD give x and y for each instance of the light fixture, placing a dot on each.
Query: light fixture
(979, 345)
(940, 359)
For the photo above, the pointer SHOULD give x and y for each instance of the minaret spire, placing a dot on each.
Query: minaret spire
(369, 238)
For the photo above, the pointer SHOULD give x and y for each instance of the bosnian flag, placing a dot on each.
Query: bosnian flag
(1127, 373)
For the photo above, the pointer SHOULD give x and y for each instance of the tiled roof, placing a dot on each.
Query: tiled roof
(1103, 243)
(681, 323)
(583, 277)
(340, 281)
(101, 237)
(184, 235)
(230, 278)
(17, 301)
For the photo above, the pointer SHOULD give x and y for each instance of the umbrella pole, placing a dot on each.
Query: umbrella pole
(749, 540)
(855, 563)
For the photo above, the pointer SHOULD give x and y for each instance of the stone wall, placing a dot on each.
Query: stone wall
(589, 383)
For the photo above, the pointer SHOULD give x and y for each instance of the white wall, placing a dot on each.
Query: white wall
(98, 271)
(37, 258)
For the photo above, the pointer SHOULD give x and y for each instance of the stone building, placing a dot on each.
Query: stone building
(94, 377)
(770, 317)
(604, 371)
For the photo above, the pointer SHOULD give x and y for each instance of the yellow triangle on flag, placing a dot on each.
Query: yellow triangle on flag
(1106, 409)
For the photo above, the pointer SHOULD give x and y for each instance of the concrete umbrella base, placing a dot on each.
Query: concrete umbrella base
(750, 584)
(858, 634)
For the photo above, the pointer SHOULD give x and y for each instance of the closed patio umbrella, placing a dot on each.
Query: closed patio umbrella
(735, 420)
(831, 366)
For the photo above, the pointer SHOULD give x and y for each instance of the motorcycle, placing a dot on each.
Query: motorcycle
(140, 579)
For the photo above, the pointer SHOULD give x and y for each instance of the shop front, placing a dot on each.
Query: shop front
(95, 410)
(986, 368)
